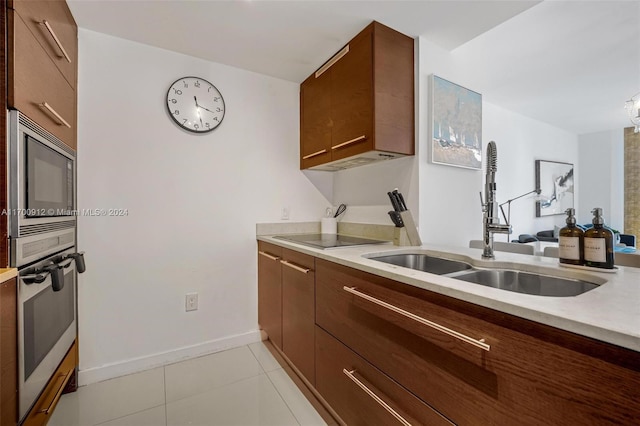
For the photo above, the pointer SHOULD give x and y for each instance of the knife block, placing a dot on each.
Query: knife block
(412, 230)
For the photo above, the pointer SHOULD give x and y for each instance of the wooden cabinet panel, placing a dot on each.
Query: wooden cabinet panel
(352, 402)
(298, 308)
(34, 80)
(315, 121)
(363, 101)
(352, 99)
(533, 374)
(46, 403)
(8, 353)
(61, 22)
(270, 291)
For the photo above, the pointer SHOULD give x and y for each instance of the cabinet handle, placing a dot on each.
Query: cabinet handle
(349, 142)
(270, 256)
(314, 154)
(56, 39)
(294, 266)
(56, 397)
(332, 61)
(61, 121)
(375, 397)
(478, 343)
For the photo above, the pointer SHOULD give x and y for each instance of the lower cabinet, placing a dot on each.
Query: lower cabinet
(382, 352)
(270, 291)
(363, 395)
(8, 353)
(43, 408)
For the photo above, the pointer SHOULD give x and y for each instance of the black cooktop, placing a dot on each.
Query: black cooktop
(326, 241)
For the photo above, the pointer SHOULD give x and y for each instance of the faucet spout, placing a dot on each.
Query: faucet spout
(491, 217)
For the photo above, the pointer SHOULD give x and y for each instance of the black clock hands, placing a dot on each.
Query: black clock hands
(198, 109)
(212, 112)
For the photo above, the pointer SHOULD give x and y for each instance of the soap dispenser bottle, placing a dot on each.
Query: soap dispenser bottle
(570, 241)
(598, 243)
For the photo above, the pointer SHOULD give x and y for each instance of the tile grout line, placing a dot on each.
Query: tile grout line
(282, 397)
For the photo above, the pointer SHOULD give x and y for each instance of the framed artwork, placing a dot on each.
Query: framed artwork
(555, 181)
(456, 125)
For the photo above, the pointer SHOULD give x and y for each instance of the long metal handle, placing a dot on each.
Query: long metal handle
(349, 142)
(332, 61)
(315, 154)
(66, 378)
(475, 342)
(62, 121)
(375, 397)
(294, 266)
(57, 40)
(269, 256)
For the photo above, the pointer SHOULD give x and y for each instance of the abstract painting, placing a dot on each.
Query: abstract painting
(457, 125)
(555, 181)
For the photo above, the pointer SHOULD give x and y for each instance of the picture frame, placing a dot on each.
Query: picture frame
(556, 183)
(456, 125)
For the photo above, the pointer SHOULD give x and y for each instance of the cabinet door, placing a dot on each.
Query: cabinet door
(352, 99)
(59, 28)
(298, 307)
(315, 120)
(363, 395)
(270, 291)
(35, 81)
(8, 354)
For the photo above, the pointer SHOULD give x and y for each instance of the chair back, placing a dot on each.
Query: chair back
(551, 252)
(513, 247)
(627, 259)
(476, 244)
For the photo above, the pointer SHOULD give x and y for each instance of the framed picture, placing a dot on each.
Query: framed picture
(456, 125)
(555, 181)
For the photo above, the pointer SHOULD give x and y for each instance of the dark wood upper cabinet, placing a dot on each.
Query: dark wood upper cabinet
(358, 107)
(42, 65)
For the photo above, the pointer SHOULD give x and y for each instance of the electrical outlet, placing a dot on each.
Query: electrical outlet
(191, 302)
(285, 213)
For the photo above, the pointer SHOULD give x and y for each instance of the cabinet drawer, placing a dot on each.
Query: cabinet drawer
(63, 30)
(43, 408)
(298, 311)
(532, 374)
(270, 291)
(361, 394)
(35, 80)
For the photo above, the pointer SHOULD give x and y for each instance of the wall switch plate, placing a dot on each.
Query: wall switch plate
(191, 302)
(285, 213)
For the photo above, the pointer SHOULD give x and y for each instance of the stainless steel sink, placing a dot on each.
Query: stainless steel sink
(527, 283)
(424, 262)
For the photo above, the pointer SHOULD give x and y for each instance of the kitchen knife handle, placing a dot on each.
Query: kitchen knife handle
(403, 205)
(394, 202)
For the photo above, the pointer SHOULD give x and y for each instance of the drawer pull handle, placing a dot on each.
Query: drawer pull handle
(61, 121)
(56, 39)
(54, 401)
(332, 61)
(269, 256)
(349, 142)
(478, 343)
(315, 154)
(294, 266)
(375, 397)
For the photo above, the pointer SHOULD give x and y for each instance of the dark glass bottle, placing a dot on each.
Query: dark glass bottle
(598, 243)
(571, 241)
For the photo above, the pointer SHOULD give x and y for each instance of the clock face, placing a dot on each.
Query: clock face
(195, 104)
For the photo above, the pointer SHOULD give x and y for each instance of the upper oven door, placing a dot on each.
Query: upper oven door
(41, 179)
(49, 181)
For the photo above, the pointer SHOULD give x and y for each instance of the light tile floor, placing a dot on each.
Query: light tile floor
(244, 386)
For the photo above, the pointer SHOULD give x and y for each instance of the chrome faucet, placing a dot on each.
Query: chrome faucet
(491, 220)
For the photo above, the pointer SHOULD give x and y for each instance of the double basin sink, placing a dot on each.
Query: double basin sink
(504, 279)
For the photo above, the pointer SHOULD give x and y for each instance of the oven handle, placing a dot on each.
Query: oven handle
(56, 271)
(79, 258)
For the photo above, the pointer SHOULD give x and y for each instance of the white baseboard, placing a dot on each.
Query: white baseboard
(135, 365)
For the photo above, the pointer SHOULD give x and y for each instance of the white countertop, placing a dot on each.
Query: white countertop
(610, 313)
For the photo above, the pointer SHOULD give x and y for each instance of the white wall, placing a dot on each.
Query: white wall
(601, 176)
(450, 211)
(193, 202)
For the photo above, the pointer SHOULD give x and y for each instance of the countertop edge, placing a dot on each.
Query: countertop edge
(7, 273)
(346, 257)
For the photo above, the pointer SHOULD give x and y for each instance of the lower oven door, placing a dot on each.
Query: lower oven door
(46, 328)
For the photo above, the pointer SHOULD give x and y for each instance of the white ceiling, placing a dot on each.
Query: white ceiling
(571, 64)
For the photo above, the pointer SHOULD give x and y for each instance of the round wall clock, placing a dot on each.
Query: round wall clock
(195, 104)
